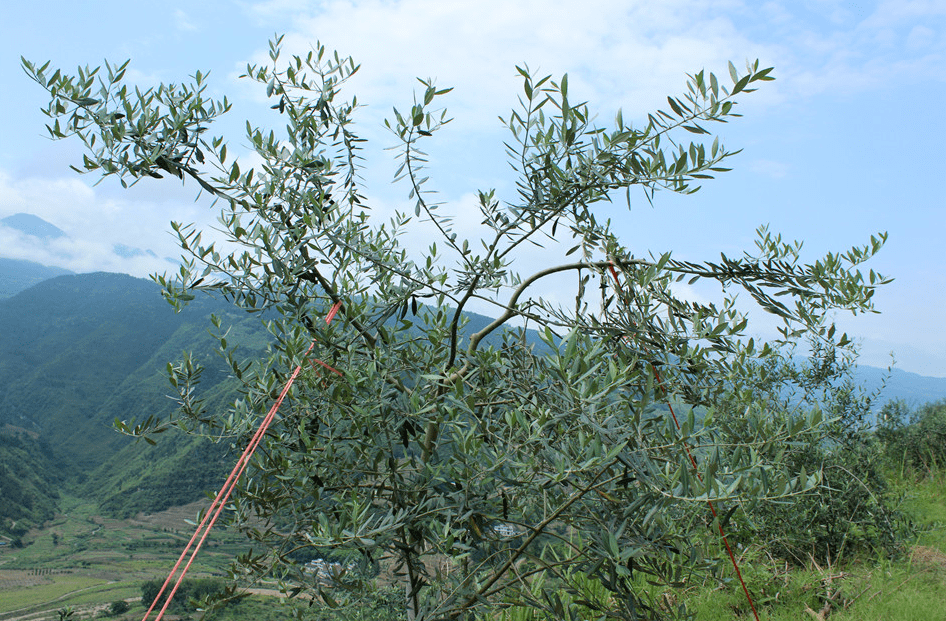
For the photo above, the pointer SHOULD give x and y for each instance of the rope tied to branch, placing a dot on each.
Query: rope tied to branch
(686, 447)
(220, 500)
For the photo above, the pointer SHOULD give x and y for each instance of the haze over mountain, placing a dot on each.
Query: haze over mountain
(18, 274)
(32, 225)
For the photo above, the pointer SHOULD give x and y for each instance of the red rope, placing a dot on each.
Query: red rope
(223, 495)
(696, 470)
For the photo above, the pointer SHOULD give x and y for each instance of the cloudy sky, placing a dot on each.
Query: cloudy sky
(844, 144)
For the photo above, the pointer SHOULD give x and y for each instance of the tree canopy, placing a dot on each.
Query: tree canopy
(526, 461)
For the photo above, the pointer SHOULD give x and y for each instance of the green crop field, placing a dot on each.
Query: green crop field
(81, 560)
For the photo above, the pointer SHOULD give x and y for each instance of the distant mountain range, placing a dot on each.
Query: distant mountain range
(25, 230)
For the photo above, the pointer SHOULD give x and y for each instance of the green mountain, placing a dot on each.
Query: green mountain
(77, 352)
(29, 481)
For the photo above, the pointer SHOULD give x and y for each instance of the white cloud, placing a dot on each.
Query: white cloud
(861, 47)
(183, 22)
(618, 54)
(95, 221)
(920, 37)
(769, 168)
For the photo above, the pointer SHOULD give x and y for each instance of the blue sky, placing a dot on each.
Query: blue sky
(844, 144)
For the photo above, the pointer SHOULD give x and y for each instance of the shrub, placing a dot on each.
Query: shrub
(118, 607)
(852, 510)
(914, 440)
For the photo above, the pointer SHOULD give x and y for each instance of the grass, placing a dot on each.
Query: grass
(55, 588)
(861, 591)
(906, 589)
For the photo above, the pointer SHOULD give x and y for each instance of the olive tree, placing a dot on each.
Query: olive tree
(524, 460)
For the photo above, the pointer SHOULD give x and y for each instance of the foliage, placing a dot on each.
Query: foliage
(914, 439)
(465, 466)
(28, 483)
(854, 588)
(376, 604)
(118, 607)
(852, 510)
(188, 596)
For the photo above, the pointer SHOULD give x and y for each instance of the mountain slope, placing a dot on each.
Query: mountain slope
(913, 388)
(17, 275)
(76, 352)
(29, 481)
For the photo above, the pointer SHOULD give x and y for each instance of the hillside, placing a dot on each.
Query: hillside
(29, 482)
(913, 388)
(77, 352)
(17, 275)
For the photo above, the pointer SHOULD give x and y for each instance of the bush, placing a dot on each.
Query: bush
(190, 592)
(914, 440)
(853, 510)
(118, 607)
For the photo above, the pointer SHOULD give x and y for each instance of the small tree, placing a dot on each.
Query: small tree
(119, 607)
(914, 439)
(853, 511)
(483, 466)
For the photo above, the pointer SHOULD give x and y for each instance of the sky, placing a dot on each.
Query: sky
(844, 144)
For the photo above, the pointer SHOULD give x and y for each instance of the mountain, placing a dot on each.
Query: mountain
(76, 352)
(18, 275)
(29, 481)
(32, 225)
(913, 388)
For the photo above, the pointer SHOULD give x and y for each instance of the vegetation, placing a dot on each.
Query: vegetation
(484, 476)
(73, 358)
(857, 587)
(28, 483)
(854, 511)
(186, 599)
(118, 607)
(915, 440)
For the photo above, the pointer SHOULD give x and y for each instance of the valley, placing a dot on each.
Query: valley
(81, 559)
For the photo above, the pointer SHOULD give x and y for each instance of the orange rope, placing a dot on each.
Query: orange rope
(224, 494)
(696, 470)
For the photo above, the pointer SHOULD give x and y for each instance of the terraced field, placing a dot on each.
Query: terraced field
(86, 561)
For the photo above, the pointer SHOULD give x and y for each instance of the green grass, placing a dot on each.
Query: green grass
(59, 586)
(900, 591)
(926, 499)
(906, 589)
